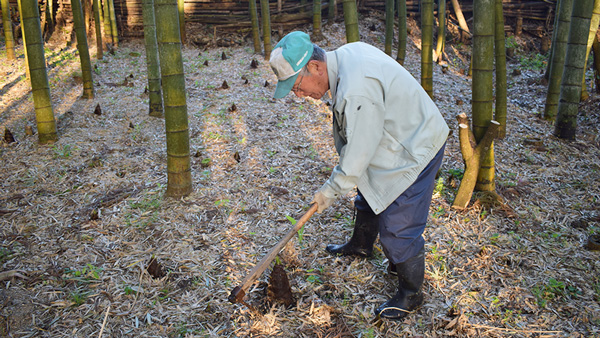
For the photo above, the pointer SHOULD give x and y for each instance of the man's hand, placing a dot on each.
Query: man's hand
(323, 202)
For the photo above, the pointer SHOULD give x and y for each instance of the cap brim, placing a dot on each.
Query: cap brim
(284, 87)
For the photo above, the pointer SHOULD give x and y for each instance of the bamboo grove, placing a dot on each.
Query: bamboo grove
(573, 38)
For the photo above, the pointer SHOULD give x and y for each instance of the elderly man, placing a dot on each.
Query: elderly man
(390, 138)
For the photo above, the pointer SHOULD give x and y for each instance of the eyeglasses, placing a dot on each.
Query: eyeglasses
(297, 88)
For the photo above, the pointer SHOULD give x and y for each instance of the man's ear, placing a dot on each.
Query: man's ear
(316, 67)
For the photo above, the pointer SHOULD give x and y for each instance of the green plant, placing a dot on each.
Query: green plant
(62, 152)
(88, 274)
(206, 162)
(222, 203)
(5, 255)
(129, 290)
(369, 333)
(135, 133)
(440, 211)
(511, 42)
(300, 231)
(146, 204)
(79, 297)
(535, 62)
(458, 173)
(552, 290)
(439, 186)
(313, 277)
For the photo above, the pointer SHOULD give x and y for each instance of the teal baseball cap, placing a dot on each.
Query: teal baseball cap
(288, 58)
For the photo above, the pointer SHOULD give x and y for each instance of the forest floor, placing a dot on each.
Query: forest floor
(81, 219)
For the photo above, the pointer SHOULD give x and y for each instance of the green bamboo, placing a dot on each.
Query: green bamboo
(441, 36)
(40, 88)
(98, 27)
(179, 179)
(570, 87)
(9, 40)
(551, 53)
(255, 28)
(351, 21)
(107, 26)
(181, 10)
(27, 73)
(596, 48)
(559, 51)
(266, 26)
(82, 48)
(317, 35)
(331, 10)
(389, 26)
(501, 86)
(402, 32)
(113, 23)
(482, 86)
(592, 35)
(152, 63)
(427, 46)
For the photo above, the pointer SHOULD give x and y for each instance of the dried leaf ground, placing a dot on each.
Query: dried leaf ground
(83, 218)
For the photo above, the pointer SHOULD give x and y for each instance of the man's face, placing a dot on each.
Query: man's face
(310, 83)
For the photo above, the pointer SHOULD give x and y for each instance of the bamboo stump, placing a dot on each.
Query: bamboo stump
(472, 152)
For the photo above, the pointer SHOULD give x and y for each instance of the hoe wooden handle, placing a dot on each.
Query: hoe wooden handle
(238, 293)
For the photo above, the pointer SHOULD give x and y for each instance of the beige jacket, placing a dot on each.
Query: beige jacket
(386, 127)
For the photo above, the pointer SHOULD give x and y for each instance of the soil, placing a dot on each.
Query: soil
(86, 223)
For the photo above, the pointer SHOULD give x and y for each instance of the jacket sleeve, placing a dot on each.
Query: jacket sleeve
(364, 130)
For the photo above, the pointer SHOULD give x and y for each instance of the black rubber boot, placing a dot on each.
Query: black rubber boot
(409, 296)
(366, 228)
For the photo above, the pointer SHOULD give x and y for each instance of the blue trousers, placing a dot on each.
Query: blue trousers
(401, 225)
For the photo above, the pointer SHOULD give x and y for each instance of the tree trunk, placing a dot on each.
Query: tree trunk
(8, 32)
(331, 10)
(179, 181)
(27, 72)
(441, 38)
(88, 14)
(472, 153)
(427, 46)
(181, 10)
(82, 48)
(482, 84)
(402, 32)
(570, 87)
(50, 19)
(98, 27)
(46, 124)
(389, 26)
(108, 36)
(266, 26)
(461, 21)
(317, 34)
(43, 11)
(255, 29)
(113, 23)
(554, 26)
(152, 63)
(500, 49)
(351, 21)
(559, 51)
(596, 47)
(593, 28)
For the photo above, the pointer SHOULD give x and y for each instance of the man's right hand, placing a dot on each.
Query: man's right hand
(323, 202)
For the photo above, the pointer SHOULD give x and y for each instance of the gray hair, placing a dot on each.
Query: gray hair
(318, 53)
